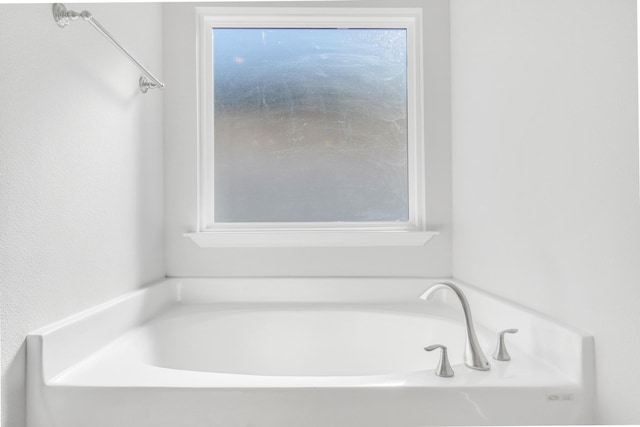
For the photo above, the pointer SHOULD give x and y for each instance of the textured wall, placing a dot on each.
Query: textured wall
(80, 171)
(545, 170)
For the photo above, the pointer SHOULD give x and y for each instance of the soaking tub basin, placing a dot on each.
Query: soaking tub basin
(190, 352)
(300, 341)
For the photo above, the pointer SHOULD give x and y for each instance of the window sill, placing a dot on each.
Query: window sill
(274, 239)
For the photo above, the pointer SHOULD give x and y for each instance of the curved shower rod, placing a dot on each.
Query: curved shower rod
(63, 16)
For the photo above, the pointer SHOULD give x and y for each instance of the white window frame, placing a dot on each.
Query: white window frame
(296, 234)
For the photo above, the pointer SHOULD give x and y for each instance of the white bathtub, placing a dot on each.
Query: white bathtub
(301, 352)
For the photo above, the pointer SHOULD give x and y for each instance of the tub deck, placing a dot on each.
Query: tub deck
(121, 376)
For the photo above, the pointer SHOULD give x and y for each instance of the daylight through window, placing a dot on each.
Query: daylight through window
(310, 125)
(310, 121)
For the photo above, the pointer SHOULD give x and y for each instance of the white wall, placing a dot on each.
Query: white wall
(184, 258)
(545, 170)
(81, 202)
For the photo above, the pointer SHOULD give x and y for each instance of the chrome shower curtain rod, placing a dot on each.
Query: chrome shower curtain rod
(63, 16)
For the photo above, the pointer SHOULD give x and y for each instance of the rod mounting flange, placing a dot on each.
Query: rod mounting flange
(60, 15)
(145, 84)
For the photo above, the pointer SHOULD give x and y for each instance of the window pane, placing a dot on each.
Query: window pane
(310, 125)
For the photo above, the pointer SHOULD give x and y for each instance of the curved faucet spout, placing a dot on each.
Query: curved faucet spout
(473, 355)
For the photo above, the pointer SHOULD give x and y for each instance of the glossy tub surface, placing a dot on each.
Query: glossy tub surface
(183, 353)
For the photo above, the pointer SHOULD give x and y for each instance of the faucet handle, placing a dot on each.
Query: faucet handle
(444, 368)
(501, 352)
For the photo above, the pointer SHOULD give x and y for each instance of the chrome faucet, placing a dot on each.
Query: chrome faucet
(473, 355)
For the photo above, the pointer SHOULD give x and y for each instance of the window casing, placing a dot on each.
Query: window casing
(410, 230)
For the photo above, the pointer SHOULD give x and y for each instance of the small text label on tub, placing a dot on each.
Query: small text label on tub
(559, 397)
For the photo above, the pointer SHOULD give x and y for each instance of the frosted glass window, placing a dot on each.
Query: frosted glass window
(310, 125)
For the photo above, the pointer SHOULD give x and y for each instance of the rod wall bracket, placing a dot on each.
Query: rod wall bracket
(145, 84)
(60, 15)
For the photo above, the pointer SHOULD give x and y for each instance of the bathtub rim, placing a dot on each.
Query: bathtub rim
(59, 346)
